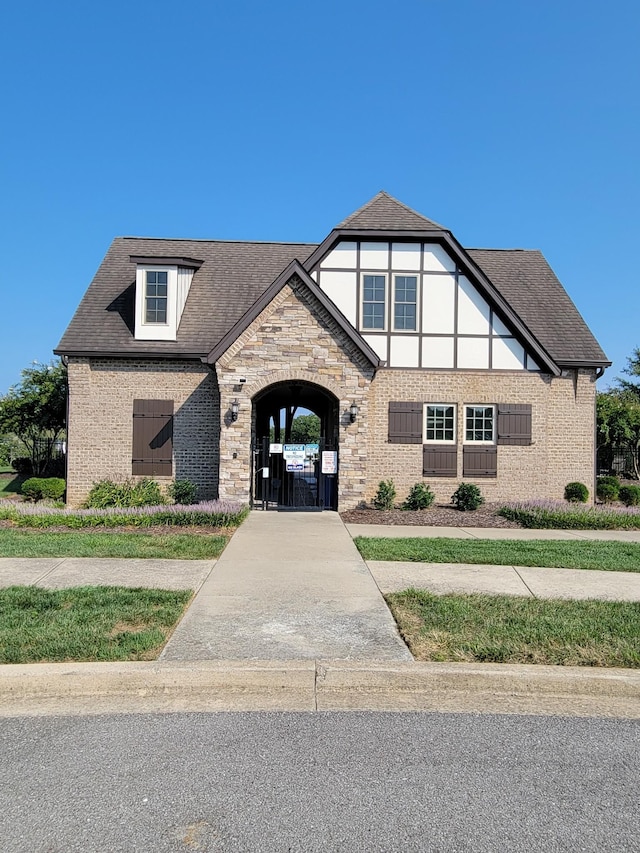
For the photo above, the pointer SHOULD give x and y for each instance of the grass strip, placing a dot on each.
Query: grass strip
(86, 623)
(170, 546)
(505, 629)
(561, 554)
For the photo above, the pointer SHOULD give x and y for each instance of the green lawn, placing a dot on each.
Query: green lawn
(86, 623)
(173, 546)
(610, 556)
(10, 485)
(507, 629)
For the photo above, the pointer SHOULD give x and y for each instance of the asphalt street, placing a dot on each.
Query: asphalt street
(318, 782)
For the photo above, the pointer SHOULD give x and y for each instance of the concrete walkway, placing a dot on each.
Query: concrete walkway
(528, 581)
(289, 586)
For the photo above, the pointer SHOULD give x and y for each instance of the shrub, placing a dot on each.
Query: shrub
(576, 493)
(53, 488)
(562, 516)
(32, 488)
(22, 465)
(385, 496)
(106, 494)
(607, 489)
(630, 495)
(467, 497)
(183, 492)
(211, 513)
(420, 497)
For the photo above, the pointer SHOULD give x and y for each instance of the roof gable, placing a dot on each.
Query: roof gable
(386, 213)
(294, 272)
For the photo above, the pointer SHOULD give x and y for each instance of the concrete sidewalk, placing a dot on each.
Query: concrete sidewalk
(288, 586)
(528, 581)
(63, 572)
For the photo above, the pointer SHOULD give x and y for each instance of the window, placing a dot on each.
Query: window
(440, 423)
(373, 301)
(479, 424)
(405, 302)
(156, 297)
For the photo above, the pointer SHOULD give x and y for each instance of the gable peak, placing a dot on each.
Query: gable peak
(386, 213)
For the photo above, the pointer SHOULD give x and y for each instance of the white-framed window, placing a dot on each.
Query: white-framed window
(479, 424)
(156, 296)
(156, 302)
(440, 423)
(374, 301)
(405, 303)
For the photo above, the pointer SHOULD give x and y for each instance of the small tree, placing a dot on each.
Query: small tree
(35, 411)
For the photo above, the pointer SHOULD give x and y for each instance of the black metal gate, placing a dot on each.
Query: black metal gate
(295, 476)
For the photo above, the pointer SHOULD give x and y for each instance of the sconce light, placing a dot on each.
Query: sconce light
(353, 413)
(234, 410)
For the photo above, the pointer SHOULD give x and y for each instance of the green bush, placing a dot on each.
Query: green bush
(608, 489)
(385, 496)
(183, 492)
(32, 488)
(106, 493)
(576, 493)
(420, 497)
(467, 497)
(53, 488)
(561, 516)
(630, 495)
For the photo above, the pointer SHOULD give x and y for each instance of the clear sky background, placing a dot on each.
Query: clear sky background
(514, 123)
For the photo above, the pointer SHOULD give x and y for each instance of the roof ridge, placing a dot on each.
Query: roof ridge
(494, 249)
(204, 240)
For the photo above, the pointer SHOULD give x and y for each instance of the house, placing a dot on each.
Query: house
(424, 361)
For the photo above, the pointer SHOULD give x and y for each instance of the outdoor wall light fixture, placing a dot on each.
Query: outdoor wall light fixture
(353, 413)
(234, 410)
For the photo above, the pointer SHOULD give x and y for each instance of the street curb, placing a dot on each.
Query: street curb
(308, 685)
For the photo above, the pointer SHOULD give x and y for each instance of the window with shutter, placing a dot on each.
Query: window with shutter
(480, 461)
(514, 423)
(405, 423)
(439, 461)
(152, 453)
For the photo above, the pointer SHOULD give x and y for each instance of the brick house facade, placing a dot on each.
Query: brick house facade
(424, 361)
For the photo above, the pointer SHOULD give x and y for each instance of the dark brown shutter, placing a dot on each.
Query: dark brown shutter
(480, 461)
(514, 423)
(405, 423)
(439, 461)
(152, 438)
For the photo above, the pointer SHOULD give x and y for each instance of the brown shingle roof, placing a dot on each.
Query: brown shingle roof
(386, 213)
(529, 285)
(233, 275)
(231, 278)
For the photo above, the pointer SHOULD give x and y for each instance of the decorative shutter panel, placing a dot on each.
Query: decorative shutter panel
(480, 461)
(439, 461)
(514, 423)
(405, 423)
(152, 454)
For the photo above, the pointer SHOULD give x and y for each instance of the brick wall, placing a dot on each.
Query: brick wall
(562, 446)
(101, 395)
(294, 338)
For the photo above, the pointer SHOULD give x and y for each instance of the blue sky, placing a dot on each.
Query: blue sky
(515, 124)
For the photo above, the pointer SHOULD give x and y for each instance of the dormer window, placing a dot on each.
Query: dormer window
(162, 287)
(155, 297)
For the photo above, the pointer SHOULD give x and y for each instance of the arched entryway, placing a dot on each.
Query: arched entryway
(292, 467)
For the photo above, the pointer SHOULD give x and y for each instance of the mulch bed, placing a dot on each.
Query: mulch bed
(436, 516)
